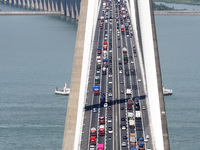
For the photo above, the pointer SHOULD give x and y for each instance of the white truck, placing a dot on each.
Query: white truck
(128, 91)
(130, 114)
(131, 122)
(137, 114)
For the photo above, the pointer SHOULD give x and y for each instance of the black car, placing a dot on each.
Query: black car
(122, 119)
(99, 66)
(127, 73)
(109, 138)
(137, 107)
(124, 137)
(132, 72)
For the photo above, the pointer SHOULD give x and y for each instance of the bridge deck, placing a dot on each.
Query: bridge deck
(29, 13)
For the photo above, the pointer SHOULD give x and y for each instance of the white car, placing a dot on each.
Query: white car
(110, 94)
(123, 144)
(109, 121)
(123, 127)
(139, 80)
(105, 105)
(132, 62)
(146, 140)
(143, 108)
(147, 136)
(110, 75)
(120, 71)
(110, 130)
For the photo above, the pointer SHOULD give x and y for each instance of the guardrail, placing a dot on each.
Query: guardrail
(177, 12)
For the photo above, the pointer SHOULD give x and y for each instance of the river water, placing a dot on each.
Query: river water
(36, 55)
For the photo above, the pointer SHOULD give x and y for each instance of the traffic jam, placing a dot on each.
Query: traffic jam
(115, 118)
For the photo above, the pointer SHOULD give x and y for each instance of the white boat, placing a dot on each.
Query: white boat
(167, 91)
(64, 91)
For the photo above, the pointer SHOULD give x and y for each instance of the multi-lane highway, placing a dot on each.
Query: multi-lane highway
(116, 70)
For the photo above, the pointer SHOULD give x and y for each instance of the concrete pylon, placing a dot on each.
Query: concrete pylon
(52, 6)
(40, 5)
(32, 4)
(67, 10)
(19, 2)
(48, 4)
(56, 6)
(77, 15)
(28, 4)
(72, 12)
(61, 8)
(36, 4)
(45, 6)
(23, 3)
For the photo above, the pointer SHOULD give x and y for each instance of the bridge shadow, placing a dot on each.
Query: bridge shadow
(113, 102)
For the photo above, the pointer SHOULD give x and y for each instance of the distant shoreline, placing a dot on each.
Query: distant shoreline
(177, 12)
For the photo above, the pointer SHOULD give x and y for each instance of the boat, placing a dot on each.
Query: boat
(167, 91)
(64, 91)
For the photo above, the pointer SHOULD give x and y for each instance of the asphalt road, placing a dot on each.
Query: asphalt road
(114, 84)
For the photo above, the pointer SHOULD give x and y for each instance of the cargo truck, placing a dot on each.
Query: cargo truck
(131, 123)
(92, 140)
(141, 144)
(101, 130)
(105, 60)
(122, 27)
(101, 26)
(96, 90)
(93, 132)
(128, 91)
(104, 71)
(97, 80)
(98, 50)
(132, 140)
(101, 120)
(100, 147)
(105, 47)
(129, 105)
(102, 19)
(124, 50)
(125, 59)
(137, 114)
